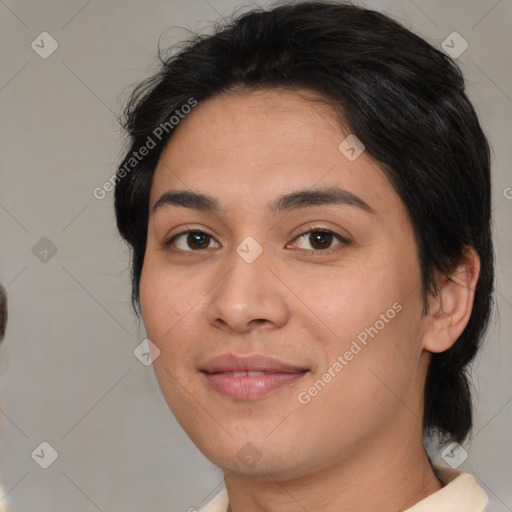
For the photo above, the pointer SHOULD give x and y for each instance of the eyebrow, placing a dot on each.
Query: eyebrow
(287, 202)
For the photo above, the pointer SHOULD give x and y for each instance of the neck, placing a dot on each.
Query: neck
(361, 483)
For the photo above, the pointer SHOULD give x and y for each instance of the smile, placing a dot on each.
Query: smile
(249, 377)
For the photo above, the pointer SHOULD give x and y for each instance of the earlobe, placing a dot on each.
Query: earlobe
(451, 309)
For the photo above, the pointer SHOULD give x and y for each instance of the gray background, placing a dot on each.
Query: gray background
(68, 375)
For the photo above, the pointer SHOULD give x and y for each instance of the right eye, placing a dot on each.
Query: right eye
(189, 241)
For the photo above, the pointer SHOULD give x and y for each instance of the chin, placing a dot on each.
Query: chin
(258, 459)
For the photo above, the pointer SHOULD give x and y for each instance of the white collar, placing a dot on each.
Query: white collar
(460, 492)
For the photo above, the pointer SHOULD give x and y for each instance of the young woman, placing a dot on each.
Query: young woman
(307, 197)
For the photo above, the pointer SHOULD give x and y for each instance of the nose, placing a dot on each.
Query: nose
(248, 297)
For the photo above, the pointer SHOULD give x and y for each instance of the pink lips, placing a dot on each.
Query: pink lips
(249, 377)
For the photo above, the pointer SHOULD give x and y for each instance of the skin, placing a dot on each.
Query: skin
(357, 444)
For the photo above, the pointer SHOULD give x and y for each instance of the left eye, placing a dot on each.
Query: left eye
(319, 240)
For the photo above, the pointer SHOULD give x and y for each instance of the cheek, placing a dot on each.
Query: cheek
(368, 381)
(166, 310)
(349, 302)
(371, 315)
(166, 299)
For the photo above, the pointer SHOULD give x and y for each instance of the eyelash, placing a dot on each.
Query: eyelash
(316, 252)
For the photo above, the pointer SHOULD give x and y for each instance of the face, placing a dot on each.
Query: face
(281, 285)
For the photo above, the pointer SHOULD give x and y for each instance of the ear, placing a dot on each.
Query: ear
(450, 310)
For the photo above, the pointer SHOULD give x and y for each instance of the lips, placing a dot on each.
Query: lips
(243, 374)
(254, 363)
(249, 377)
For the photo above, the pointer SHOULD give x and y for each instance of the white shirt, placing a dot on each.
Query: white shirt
(460, 493)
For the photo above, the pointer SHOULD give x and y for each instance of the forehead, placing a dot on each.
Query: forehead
(248, 147)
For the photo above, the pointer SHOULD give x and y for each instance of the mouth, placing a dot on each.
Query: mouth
(250, 377)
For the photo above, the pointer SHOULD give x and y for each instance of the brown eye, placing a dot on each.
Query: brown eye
(196, 240)
(319, 240)
(192, 241)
